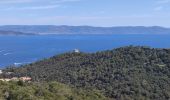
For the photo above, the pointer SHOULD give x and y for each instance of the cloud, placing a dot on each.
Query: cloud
(67, 0)
(163, 1)
(7, 54)
(32, 4)
(41, 7)
(15, 1)
(161, 5)
(33, 7)
(33, 1)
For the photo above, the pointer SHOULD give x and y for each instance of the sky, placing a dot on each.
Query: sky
(85, 12)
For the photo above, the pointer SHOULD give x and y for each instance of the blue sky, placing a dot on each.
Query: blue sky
(85, 12)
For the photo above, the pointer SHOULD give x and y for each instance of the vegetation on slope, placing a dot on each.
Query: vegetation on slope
(44, 91)
(131, 73)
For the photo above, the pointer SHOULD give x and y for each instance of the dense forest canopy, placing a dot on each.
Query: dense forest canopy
(45, 91)
(131, 73)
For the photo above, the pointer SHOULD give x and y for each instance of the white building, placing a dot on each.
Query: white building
(1, 72)
(76, 51)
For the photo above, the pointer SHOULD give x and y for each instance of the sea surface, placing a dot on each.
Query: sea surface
(16, 50)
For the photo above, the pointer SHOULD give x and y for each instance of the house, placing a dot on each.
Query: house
(1, 72)
(6, 79)
(25, 79)
(15, 79)
(9, 73)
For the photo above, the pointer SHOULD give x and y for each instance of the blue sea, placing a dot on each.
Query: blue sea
(16, 50)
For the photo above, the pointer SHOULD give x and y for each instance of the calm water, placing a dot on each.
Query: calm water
(26, 49)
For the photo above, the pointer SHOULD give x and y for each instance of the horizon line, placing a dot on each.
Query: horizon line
(147, 26)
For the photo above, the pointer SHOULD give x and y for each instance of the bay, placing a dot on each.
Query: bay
(16, 50)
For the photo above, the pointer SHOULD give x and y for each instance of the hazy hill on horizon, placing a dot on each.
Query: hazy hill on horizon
(8, 32)
(64, 29)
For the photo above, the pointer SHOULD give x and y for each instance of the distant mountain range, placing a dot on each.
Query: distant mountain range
(52, 29)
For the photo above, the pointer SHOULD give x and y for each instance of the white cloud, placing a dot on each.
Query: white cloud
(67, 0)
(15, 1)
(163, 1)
(32, 4)
(33, 1)
(161, 5)
(32, 7)
(39, 7)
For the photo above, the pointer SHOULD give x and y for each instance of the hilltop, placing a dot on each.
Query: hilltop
(52, 29)
(127, 72)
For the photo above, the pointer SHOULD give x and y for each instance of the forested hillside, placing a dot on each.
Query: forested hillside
(134, 73)
(45, 91)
